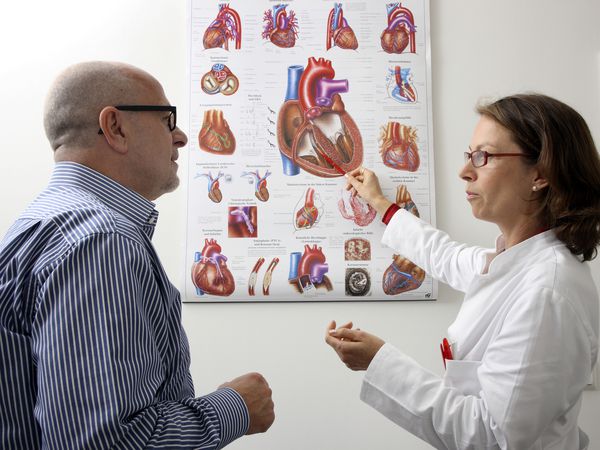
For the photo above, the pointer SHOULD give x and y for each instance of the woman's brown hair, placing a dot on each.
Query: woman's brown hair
(559, 142)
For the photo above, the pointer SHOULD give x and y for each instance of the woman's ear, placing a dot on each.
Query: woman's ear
(539, 182)
(113, 128)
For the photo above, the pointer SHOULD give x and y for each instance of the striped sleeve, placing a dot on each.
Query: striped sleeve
(101, 372)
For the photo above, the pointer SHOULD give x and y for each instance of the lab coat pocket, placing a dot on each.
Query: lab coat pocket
(462, 375)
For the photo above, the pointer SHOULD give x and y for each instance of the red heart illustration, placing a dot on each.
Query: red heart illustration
(308, 271)
(314, 130)
(262, 193)
(214, 37)
(279, 28)
(227, 26)
(215, 136)
(398, 147)
(210, 274)
(283, 38)
(401, 276)
(308, 214)
(400, 30)
(339, 31)
(394, 41)
(345, 38)
(215, 193)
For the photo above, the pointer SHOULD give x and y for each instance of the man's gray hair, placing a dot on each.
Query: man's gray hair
(79, 94)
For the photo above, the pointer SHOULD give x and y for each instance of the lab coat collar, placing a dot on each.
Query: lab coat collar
(518, 254)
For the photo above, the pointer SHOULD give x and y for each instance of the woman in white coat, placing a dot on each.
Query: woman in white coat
(526, 337)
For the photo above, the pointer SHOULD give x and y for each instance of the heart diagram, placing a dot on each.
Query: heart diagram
(260, 184)
(308, 269)
(398, 147)
(400, 85)
(308, 214)
(279, 28)
(226, 27)
(339, 33)
(215, 135)
(314, 130)
(214, 193)
(219, 79)
(400, 30)
(210, 274)
(402, 276)
(354, 208)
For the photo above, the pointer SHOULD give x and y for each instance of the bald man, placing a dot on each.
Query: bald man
(92, 351)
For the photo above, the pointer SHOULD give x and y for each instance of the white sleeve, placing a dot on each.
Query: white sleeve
(533, 373)
(421, 403)
(431, 249)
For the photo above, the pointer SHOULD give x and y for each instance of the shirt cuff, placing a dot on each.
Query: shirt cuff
(232, 413)
(389, 213)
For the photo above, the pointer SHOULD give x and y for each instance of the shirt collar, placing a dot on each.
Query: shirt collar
(117, 197)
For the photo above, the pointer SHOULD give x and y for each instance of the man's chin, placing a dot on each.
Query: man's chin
(174, 184)
(171, 185)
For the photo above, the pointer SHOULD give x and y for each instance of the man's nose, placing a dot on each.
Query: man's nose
(180, 139)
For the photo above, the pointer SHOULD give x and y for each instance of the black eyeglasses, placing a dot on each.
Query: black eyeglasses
(479, 158)
(172, 119)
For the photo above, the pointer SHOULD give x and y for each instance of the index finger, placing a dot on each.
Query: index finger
(355, 172)
(351, 181)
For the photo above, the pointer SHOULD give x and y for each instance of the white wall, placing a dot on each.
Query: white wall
(480, 48)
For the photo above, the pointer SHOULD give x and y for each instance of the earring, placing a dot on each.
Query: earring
(535, 188)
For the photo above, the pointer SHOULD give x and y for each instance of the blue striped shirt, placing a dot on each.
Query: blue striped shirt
(92, 351)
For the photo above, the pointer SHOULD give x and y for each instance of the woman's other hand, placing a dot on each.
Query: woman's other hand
(356, 348)
(365, 183)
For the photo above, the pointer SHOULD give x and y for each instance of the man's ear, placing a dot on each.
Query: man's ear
(113, 128)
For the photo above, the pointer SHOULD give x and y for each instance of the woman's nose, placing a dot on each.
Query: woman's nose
(467, 172)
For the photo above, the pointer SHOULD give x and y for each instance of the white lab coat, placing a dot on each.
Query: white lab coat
(525, 341)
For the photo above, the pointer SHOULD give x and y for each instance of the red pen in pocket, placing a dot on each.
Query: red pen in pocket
(446, 349)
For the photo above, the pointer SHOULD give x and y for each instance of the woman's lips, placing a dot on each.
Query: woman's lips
(471, 195)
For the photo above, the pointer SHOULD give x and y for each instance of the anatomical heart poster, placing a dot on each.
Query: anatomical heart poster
(284, 99)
